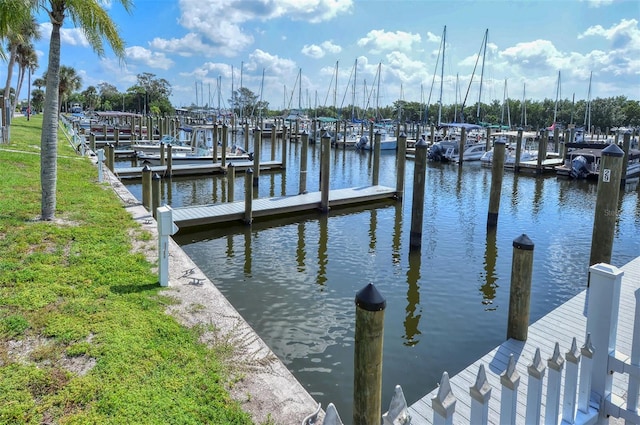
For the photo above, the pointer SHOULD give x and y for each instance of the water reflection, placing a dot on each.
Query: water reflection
(247, 251)
(323, 257)
(397, 234)
(489, 286)
(413, 310)
(373, 223)
(301, 252)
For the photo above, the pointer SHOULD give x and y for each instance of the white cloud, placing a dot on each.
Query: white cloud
(380, 40)
(148, 57)
(598, 3)
(318, 51)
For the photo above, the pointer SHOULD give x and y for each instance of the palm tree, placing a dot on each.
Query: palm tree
(18, 36)
(27, 59)
(69, 82)
(13, 14)
(96, 25)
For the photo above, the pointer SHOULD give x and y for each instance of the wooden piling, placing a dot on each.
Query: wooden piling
(417, 207)
(497, 171)
(111, 156)
(516, 165)
(606, 211)
(325, 167)
(303, 162)
(231, 178)
(169, 170)
(214, 143)
(146, 187)
(369, 333)
(248, 196)
(401, 162)
(257, 140)
(163, 157)
(542, 151)
(463, 141)
(626, 146)
(520, 291)
(223, 148)
(155, 193)
(246, 136)
(284, 149)
(376, 159)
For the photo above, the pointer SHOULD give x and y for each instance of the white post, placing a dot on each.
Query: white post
(510, 380)
(166, 228)
(634, 382)
(480, 396)
(331, 416)
(100, 165)
(534, 391)
(398, 413)
(556, 364)
(602, 322)
(444, 403)
(571, 384)
(586, 368)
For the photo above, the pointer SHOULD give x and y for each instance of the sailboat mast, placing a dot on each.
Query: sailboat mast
(378, 89)
(444, 42)
(484, 55)
(587, 111)
(555, 109)
(523, 117)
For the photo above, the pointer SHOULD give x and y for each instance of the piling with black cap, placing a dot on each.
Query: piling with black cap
(325, 167)
(111, 156)
(155, 193)
(303, 162)
(542, 151)
(419, 183)
(516, 164)
(369, 332)
(520, 292)
(223, 148)
(146, 187)
(401, 163)
(231, 178)
(606, 210)
(497, 171)
(376, 159)
(248, 196)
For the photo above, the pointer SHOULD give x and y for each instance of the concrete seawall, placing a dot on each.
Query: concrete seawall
(260, 381)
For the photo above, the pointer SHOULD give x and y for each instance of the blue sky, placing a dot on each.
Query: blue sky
(200, 44)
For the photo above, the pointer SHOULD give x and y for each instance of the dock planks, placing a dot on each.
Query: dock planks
(270, 207)
(194, 169)
(560, 325)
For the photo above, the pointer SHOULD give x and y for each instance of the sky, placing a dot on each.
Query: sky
(308, 53)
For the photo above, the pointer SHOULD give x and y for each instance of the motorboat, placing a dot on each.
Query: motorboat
(387, 142)
(584, 163)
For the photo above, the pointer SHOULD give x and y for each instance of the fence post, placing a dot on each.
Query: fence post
(534, 392)
(510, 380)
(369, 332)
(555, 363)
(602, 322)
(571, 383)
(480, 395)
(398, 414)
(634, 381)
(586, 372)
(520, 291)
(444, 403)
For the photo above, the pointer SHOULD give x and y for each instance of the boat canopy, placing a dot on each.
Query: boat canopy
(327, 119)
(468, 126)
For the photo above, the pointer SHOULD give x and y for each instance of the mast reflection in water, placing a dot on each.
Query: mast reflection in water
(294, 280)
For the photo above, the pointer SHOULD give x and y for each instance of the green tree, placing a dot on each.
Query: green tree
(91, 98)
(243, 102)
(18, 37)
(96, 24)
(151, 91)
(37, 100)
(27, 60)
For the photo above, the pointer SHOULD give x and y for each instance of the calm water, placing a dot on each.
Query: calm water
(294, 280)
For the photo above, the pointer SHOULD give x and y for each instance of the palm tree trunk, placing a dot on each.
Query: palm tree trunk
(49, 138)
(18, 86)
(12, 64)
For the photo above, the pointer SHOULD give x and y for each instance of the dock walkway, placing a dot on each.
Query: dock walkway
(194, 169)
(185, 217)
(560, 325)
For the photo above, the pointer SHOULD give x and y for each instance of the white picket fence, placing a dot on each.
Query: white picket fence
(588, 378)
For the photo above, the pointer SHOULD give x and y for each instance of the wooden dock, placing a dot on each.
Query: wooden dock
(194, 169)
(548, 166)
(185, 217)
(560, 325)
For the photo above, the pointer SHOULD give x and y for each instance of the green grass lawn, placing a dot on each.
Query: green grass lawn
(83, 334)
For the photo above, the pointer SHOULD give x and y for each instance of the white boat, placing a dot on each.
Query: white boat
(584, 163)
(509, 157)
(473, 152)
(153, 146)
(387, 142)
(234, 153)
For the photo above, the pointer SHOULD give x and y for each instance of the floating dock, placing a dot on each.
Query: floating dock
(194, 169)
(185, 217)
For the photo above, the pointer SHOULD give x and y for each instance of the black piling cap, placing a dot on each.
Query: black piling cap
(156, 176)
(422, 144)
(146, 169)
(613, 150)
(523, 242)
(499, 142)
(368, 298)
